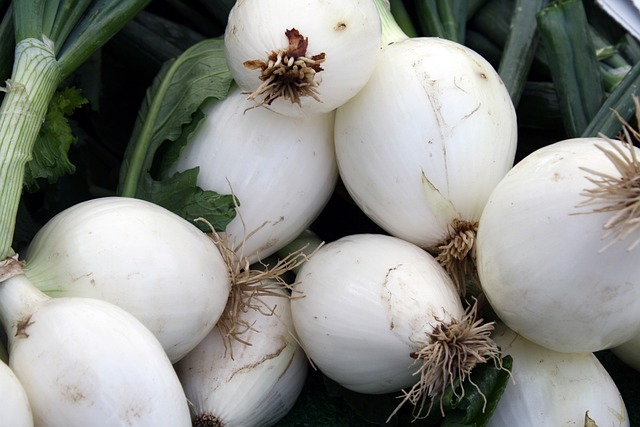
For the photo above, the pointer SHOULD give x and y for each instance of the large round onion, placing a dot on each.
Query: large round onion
(555, 271)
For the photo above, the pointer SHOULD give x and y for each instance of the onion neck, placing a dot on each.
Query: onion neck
(391, 31)
(19, 299)
(33, 82)
(456, 254)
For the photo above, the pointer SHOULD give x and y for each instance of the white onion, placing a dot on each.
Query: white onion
(549, 388)
(422, 145)
(345, 32)
(629, 352)
(371, 304)
(230, 383)
(281, 169)
(427, 138)
(542, 254)
(14, 403)
(84, 361)
(139, 256)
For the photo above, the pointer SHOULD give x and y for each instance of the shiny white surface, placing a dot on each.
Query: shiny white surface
(368, 302)
(539, 256)
(139, 256)
(427, 138)
(348, 32)
(555, 389)
(281, 169)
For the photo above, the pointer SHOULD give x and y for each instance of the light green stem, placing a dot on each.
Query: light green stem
(391, 31)
(33, 82)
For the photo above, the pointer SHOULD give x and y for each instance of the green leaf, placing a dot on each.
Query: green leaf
(149, 40)
(28, 18)
(99, 21)
(482, 393)
(169, 113)
(568, 44)
(50, 159)
(180, 195)
(446, 19)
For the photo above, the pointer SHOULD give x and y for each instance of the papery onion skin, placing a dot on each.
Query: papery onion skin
(282, 170)
(14, 403)
(247, 385)
(347, 32)
(427, 139)
(369, 301)
(555, 389)
(139, 256)
(540, 257)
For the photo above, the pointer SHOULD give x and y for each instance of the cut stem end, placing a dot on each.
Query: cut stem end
(455, 253)
(289, 74)
(206, 420)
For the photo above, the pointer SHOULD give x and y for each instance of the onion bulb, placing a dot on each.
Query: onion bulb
(422, 145)
(282, 170)
(555, 246)
(549, 388)
(629, 352)
(253, 381)
(14, 403)
(139, 256)
(87, 362)
(301, 58)
(375, 306)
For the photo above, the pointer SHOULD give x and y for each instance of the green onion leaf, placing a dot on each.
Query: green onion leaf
(573, 63)
(50, 150)
(167, 116)
(520, 47)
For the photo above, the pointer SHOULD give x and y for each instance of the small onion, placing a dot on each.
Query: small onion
(376, 309)
(557, 272)
(422, 145)
(14, 403)
(549, 388)
(301, 58)
(87, 362)
(250, 383)
(139, 256)
(282, 170)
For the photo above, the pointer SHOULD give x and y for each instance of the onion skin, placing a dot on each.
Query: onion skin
(14, 403)
(139, 256)
(369, 301)
(555, 389)
(434, 111)
(541, 261)
(282, 170)
(348, 32)
(84, 361)
(247, 385)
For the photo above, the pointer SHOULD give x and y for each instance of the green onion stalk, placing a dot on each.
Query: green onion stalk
(573, 62)
(52, 39)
